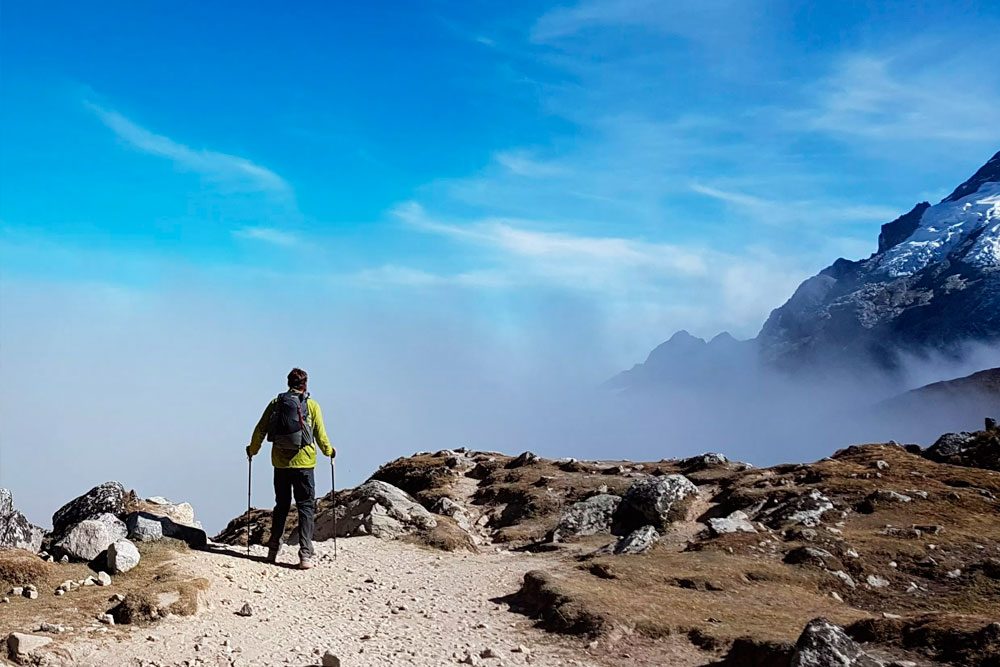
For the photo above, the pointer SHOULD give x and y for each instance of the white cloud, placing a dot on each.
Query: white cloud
(798, 212)
(394, 275)
(268, 235)
(230, 171)
(883, 97)
(560, 253)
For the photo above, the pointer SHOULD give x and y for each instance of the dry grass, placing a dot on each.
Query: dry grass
(715, 595)
(157, 573)
(19, 568)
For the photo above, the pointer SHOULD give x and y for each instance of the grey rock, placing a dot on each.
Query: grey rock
(656, 501)
(16, 532)
(638, 541)
(523, 459)
(823, 644)
(737, 522)
(143, 528)
(876, 581)
(20, 645)
(809, 556)
(107, 498)
(379, 509)
(803, 510)
(246, 610)
(330, 660)
(140, 528)
(122, 556)
(89, 538)
(588, 517)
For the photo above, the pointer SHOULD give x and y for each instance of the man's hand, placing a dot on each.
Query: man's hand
(333, 453)
(249, 453)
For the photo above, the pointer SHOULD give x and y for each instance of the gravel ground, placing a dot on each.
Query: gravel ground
(378, 603)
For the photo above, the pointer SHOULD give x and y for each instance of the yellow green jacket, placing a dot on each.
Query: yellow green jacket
(305, 457)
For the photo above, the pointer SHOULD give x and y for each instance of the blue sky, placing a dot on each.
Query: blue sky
(684, 164)
(508, 189)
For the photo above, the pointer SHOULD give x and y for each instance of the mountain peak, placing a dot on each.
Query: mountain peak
(988, 173)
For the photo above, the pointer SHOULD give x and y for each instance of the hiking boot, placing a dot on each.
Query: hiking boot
(306, 564)
(272, 555)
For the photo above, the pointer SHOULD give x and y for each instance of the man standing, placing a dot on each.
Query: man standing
(293, 423)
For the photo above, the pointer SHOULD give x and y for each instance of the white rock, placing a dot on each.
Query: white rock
(122, 556)
(19, 645)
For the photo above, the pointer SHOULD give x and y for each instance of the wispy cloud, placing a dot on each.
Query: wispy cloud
(891, 97)
(798, 212)
(229, 171)
(270, 235)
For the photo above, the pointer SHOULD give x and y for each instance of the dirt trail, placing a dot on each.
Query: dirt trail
(422, 608)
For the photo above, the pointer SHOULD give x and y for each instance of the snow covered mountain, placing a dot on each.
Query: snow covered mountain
(933, 285)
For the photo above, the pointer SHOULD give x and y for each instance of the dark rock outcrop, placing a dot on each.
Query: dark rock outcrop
(107, 498)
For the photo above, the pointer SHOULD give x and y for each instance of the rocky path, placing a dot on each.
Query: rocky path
(379, 603)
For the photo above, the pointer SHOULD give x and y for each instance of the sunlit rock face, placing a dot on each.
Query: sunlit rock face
(933, 285)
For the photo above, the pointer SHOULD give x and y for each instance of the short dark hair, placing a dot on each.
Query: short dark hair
(297, 378)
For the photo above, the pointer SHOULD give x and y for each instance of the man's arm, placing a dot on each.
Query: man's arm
(260, 432)
(319, 431)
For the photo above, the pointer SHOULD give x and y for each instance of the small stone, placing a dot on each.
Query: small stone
(488, 653)
(30, 594)
(117, 597)
(5, 600)
(106, 619)
(60, 592)
(17, 591)
(889, 616)
(836, 596)
(881, 465)
(330, 660)
(103, 579)
(245, 610)
(876, 581)
(954, 574)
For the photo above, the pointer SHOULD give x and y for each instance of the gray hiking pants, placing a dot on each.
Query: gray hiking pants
(300, 483)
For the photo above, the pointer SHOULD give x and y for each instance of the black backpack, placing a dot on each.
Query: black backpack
(289, 426)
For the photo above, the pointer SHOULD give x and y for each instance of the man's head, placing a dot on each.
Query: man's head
(297, 379)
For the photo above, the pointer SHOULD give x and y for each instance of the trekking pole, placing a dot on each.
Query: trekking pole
(249, 488)
(333, 493)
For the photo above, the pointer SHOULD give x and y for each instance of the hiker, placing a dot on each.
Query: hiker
(293, 423)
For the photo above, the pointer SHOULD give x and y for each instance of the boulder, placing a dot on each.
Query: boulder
(737, 522)
(638, 541)
(805, 509)
(122, 556)
(810, 556)
(977, 450)
(703, 462)
(588, 517)
(107, 498)
(89, 538)
(20, 646)
(376, 508)
(522, 459)
(179, 513)
(16, 532)
(141, 528)
(823, 644)
(445, 506)
(656, 501)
